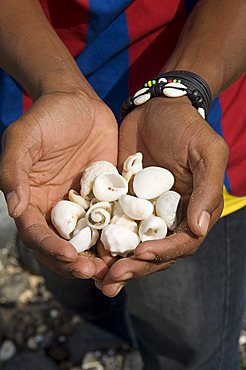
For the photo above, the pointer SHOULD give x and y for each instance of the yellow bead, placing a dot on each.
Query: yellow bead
(174, 80)
(149, 83)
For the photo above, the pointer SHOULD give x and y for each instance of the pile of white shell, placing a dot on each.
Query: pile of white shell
(107, 208)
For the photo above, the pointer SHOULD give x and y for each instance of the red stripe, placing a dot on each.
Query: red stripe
(153, 34)
(234, 129)
(70, 20)
(27, 102)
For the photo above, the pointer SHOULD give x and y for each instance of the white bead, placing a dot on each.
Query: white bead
(174, 93)
(162, 79)
(139, 99)
(201, 111)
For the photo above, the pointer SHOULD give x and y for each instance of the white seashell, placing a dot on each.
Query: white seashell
(136, 208)
(152, 228)
(82, 240)
(125, 221)
(174, 93)
(75, 197)
(119, 240)
(94, 201)
(109, 187)
(162, 79)
(132, 165)
(201, 111)
(117, 210)
(94, 170)
(166, 208)
(151, 182)
(64, 217)
(98, 216)
(81, 224)
(140, 99)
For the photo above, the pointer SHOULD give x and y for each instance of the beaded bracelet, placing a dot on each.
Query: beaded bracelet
(173, 84)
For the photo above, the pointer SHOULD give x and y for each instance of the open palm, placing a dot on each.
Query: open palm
(171, 134)
(45, 153)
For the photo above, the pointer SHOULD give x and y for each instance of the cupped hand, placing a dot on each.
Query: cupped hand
(171, 134)
(44, 154)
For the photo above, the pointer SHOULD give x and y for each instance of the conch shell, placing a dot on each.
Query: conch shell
(136, 208)
(119, 240)
(151, 182)
(64, 217)
(98, 216)
(166, 208)
(109, 186)
(132, 165)
(152, 228)
(94, 170)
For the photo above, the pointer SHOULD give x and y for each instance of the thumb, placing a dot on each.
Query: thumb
(15, 166)
(206, 201)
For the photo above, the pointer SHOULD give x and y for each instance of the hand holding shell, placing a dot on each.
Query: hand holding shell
(105, 206)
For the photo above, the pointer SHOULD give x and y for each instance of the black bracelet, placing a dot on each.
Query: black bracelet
(173, 84)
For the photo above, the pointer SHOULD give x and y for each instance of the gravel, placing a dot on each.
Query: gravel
(36, 332)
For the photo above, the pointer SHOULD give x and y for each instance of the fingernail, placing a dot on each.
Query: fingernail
(12, 202)
(117, 290)
(204, 221)
(79, 275)
(147, 256)
(125, 276)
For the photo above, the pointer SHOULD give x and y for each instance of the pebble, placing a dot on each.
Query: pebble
(7, 350)
(54, 313)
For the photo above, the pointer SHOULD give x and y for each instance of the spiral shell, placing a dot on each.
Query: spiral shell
(98, 216)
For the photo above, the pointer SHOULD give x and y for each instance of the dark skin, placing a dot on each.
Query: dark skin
(182, 146)
(50, 163)
(47, 149)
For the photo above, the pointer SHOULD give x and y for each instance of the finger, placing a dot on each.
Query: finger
(84, 267)
(208, 164)
(105, 255)
(126, 269)
(36, 234)
(15, 167)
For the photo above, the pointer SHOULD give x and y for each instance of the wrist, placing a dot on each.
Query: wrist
(64, 77)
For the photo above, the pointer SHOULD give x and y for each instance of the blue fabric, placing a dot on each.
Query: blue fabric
(11, 101)
(104, 63)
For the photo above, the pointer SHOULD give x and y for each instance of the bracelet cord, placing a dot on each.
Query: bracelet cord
(188, 83)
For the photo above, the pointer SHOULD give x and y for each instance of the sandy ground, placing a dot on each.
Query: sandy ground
(37, 333)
